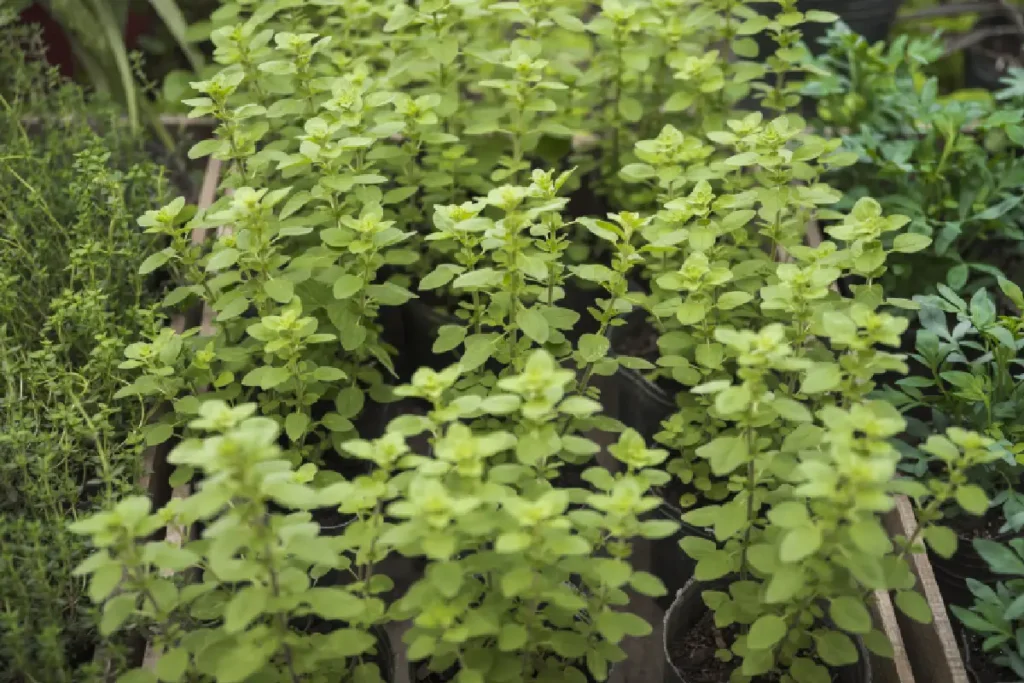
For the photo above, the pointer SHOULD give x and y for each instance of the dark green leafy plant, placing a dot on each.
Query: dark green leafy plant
(997, 615)
(973, 377)
(71, 296)
(947, 163)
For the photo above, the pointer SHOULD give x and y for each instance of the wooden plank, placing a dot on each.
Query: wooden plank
(931, 648)
(898, 668)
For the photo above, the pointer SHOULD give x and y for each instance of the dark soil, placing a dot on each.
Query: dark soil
(636, 338)
(694, 653)
(979, 664)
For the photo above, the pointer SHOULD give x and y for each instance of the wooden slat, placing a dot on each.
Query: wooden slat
(931, 648)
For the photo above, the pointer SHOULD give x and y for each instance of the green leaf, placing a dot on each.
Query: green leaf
(534, 325)
(103, 582)
(784, 585)
(116, 611)
(731, 300)
(647, 584)
(764, 633)
(914, 606)
(850, 614)
(154, 261)
(137, 676)
(440, 276)
(266, 377)
(822, 377)
(870, 537)
(800, 543)
(325, 373)
(972, 499)
(725, 454)
(1000, 558)
(941, 539)
(448, 337)
(347, 286)
(593, 347)
(877, 642)
(171, 666)
(295, 425)
(279, 290)
(244, 607)
(834, 648)
(910, 242)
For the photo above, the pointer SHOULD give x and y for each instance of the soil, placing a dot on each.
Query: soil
(636, 338)
(694, 653)
(979, 664)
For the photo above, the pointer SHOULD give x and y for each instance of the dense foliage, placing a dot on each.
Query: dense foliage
(446, 236)
(71, 297)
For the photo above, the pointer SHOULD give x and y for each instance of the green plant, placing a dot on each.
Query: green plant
(996, 613)
(970, 377)
(947, 163)
(256, 611)
(71, 298)
(96, 28)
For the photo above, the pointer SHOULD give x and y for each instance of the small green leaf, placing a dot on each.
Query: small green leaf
(914, 606)
(850, 614)
(972, 499)
(799, 543)
(246, 605)
(346, 286)
(1000, 558)
(171, 666)
(834, 648)
(764, 633)
(941, 539)
(910, 242)
(822, 377)
(295, 425)
(280, 290)
(534, 325)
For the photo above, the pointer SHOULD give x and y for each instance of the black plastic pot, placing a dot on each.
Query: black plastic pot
(952, 573)
(870, 18)
(688, 609)
(986, 62)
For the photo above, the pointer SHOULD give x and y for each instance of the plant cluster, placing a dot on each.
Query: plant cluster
(495, 163)
(971, 377)
(997, 614)
(71, 296)
(948, 163)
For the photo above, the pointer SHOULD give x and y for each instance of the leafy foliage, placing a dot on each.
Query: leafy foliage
(971, 377)
(997, 612)
(453, 152)
(947, 163)
(71, 296)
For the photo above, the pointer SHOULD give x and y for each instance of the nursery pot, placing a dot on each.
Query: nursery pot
(987, 61)
(952, 573)
(871, 19)
(688, 613)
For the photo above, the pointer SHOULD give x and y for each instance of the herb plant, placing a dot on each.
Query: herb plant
(996, 613)
(970, 376)
(72, 179)
(947, 163)
(495, 163)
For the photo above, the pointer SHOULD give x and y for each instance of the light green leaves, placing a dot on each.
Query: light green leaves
(914, 606)
(725, 454)
(799, 543)
(766, 632)
(850, 614)
(534, 325)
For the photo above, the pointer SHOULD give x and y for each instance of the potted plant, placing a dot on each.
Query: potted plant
(992, 620)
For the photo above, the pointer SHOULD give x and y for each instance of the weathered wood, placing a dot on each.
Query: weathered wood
(931, 648)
